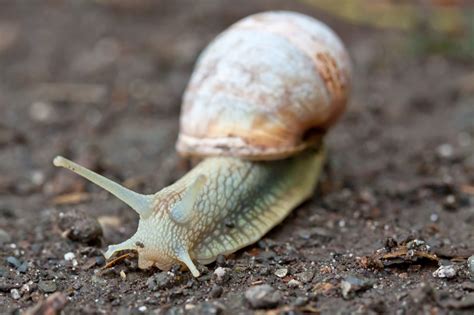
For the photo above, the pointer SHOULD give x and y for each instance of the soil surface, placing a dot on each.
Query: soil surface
(388, 231)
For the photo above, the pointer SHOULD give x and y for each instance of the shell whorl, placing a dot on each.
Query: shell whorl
(266, 88)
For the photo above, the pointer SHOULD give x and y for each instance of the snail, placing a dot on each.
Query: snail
(260, 99)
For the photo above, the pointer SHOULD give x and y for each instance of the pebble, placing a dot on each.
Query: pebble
(15, 294)
(99, 280)
(445, 150)
(69, 256)
(470, 266)
(123, 275)
(13, 261)
(206, 308)
(220, 261)
(468, 285)
(23, 267)
(264, 271)
(221, 274)
(17, 264)
(47, 286)
(41, 111)
(262, 296)
(161, 280)
(300, 301)
(450, 202)
(464, 304)
(445, 272)
(280, 273)
(27, 287)
(4, 237)
(305, 276)
(294, 283)
(265, 256)
(350, 285)
(99, 260)
(418, 245)
(80, 226)
(216, 291)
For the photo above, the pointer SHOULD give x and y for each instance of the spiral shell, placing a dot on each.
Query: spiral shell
(266, 88)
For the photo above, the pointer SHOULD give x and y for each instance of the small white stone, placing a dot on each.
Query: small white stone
(69, 256)
(15, 294)
(220, 273)
(445, 272)
(434, 217)
(189, 306)
(294, 283)
(41, 111)
(280, 273)
(26, 287)
(445, 150)
(470, 264)
(37, 177)
(142, 308)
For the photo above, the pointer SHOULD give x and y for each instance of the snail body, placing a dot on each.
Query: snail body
(201, 216)
(258, 125)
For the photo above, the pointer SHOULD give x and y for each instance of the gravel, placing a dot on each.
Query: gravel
(351, 285)
(20, 266)
(262, 296)
(69, 256)
(47, 286)
(13, 261)
(221, 274)
(293, 283)
(470, 266)
(305, 276)
(81, 227)
(15, 294)
(281, 272)
(216, 291)
(383, 176)
(447, 271)
(160, 280)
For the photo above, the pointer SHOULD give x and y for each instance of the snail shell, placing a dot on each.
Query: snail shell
(265, 89)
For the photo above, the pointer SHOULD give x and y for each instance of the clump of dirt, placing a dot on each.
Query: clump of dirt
(388, 231)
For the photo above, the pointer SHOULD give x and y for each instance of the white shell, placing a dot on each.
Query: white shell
(266, 88)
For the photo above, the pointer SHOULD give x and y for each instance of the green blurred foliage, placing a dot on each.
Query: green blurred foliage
(432, 26)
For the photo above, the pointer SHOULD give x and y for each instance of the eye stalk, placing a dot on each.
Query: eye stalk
(142, 204)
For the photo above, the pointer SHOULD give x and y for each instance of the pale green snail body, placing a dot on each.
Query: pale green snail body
(262, 96)
(220, 206)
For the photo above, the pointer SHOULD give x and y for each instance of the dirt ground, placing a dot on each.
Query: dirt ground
(100, 82)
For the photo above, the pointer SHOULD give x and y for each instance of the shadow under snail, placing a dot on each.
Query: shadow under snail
(259, 102)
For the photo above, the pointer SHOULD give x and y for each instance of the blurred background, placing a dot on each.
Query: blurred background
(101, 82)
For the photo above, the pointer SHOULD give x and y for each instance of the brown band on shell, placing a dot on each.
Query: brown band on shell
(190, 146)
